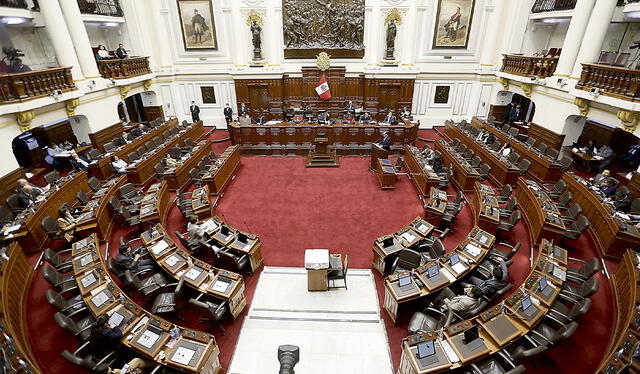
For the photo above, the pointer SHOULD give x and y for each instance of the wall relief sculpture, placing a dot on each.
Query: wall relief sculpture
(313, 26)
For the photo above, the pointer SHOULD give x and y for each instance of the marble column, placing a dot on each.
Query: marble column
(573, 39)
(493, 13)
(373, 29)
(163, 41)
(80, 39)
(594, 34)
(59, 36)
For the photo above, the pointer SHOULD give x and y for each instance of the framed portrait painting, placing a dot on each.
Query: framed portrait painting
(453, 23)
(197, 24)
(441, 95)
(208, 95)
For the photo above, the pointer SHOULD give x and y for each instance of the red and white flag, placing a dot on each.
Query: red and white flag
(322, 88)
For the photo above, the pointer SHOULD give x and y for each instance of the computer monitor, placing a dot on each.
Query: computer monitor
(526, 302)
(388, 242)
(454, 259)
(433, 271)
(471, 334)
(543, 283)
(426, 349)
(404, 279)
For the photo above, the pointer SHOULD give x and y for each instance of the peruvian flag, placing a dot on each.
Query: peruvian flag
(322, 88)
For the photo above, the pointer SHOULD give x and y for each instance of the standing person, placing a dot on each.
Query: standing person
(243, 110)
(228, 113)
(199, 26)
(195, 112)
(121, 52)
(385, 142)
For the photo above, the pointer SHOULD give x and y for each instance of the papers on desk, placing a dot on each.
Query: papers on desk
(116, 319)
(11, 229)
(473, 250)
(422, 228)
(459, 267)
(559, 273)
(209, 225)
(172, 260)
(247, 247)
(272, 122)
(159, 247)
(193, 273)
(148, 339)
(86, 259)
(448, 350)
(220, 286)
(99, 299)
(88, 280)
(408, 237)
(316, 259)
(447, 274)
(183, 355)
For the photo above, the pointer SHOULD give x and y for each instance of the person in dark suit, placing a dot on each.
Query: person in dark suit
(436, 165)
(601, 178)
(228, 113)
(121, 52)
(243, 110)
(405, 113)
(350, 108)
(631, 158)
(605, 155)
(385, 142)
(365, 117)
(323, 117)
(138, 131)
(514, 114)
(126, 260)
(390, 118)
(79, 162)
(261, 120)
(609, 188)
(27, 193)
(195, 112)
(499, 278)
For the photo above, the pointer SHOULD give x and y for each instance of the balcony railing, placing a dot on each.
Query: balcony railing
(18, 87)
(552, 5)
(529, 66)
(101, 7)
(14, 3)
(124, 68)
(619, 82)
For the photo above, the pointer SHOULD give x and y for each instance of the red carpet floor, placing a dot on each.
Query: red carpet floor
(293, 208)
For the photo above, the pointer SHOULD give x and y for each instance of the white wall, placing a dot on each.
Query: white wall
(34, 43)
(109, 36)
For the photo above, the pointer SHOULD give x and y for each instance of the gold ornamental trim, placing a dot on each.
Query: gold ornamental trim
(628, 119)
(253, 15)
(24, 119)
(393, 15)
(323, 61)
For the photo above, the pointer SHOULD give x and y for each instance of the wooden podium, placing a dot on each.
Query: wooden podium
(377, 153)
(321, 156)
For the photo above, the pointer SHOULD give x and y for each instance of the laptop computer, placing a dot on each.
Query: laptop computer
(426, 353)
(527, 306)
(433, 271)
(544, 286)
(471, 338)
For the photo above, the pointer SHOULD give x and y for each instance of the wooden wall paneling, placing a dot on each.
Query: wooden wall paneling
(153, 112)
(99, 138)
(634, 185)
(544, 135)
(599, 133)
(9, 182)
(292, 92)
(55, 134)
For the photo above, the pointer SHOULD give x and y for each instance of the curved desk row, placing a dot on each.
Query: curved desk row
(347, 138)
(485, 207)
(147, 334)
(199, 275)
(502, 171)
(420, 172)
(464, 175)
(155, 204)
(223, 171)
(178, 177)
(612, 235)
(424, 282)
(498, 326)
(542, 214)
(542, 168)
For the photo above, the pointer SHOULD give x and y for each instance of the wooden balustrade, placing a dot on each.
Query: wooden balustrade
(618, 82)
(529, 66)
(552, 5)
(124, 68)
(18, 87)
(110, 8)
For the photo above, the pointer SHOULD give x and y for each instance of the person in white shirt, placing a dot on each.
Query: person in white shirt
(119, 165)
(505, 150)
(196, 232)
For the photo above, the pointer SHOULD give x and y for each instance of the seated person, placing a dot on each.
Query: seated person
(609, 187)
(104, 338)
(67, 223)
(436, 164)
(390, 119)
(245, 119)
(196, 232)
(463, 304)
(599, 179)
(17, 66)
(121, 52)
(490, 139)
(385, 142)
(365, 117)
(428, 154)
(605, 155)
(135, 366)
(138, 131)
(590, 148)
(631, 158)
(50, 158)
(505, 151)
(27, 193)
(119, 165)
(405, 113)
(102, 53)
(170, 162)
(126, 260)
(482, 136)
(79, 163)
(499, 278)
(350, 107)
(323, 117)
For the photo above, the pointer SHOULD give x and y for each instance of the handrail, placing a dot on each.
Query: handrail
(529, 66)
(124, 68)
(19, 87)
(619, 82)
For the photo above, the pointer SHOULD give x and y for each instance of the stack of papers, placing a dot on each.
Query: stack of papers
(459, 267)
(148, 339)
(473, 250)
(423, 228)
(183, 355)
(159, 247)
(408, 237)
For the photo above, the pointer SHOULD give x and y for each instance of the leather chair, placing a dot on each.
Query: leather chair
(514, 157)
(530, 142)
(450, 216)
(80, 329)
(194, 246)
(71, 307)
(553, 153)
(89, 361)
(517, 352)
(573, 294)
(542, 147)
(455, 143)
(82, 197)
(457, 201)
(133, 156)
(129, 219)
(157, 141)
(94, 154)
(495, 146)
(445, 179)
(54, 259)
(50, 226)
(195, 177)
(407, 260)
(507, 226)
(436, 250)
(468, 154)
(6, 215)
(508, 209)
(423, 322)
(14, 204)
(217, 310)
(476, 161)
(588, 269)
(578, 227)
(524, 166)
(572, 214)
(484, 172)
(505, 128)
(566, 163)
(562, 314)
(62, 283)
(159, 169)
(117, 206)
(462, 148)
(398, 166)
(130, 194)
(170, 302)
(149, 146)
(543, 334)
(147, 286)
(52, 177)
(95, 184)
(232, 261)
(564, 200)
(337, 275)
(493, 366)
(504, 194)
(556, 191)
(109, 146)
(513, 132)
(635, 206)
(497, 253)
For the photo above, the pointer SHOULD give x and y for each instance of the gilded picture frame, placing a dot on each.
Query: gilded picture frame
(453, 24)
(197, 25)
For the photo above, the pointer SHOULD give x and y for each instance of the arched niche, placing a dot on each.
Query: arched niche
(141, 107)
(506, 99)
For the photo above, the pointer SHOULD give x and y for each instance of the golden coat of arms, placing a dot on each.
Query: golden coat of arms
(323, 61)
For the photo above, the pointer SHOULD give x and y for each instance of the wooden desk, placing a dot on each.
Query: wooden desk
(486, 210)
(611, 234)
(542, 168)
(377, 152)
(582, 159)
(386, 174)
(541, 214)
(420, 172)
(200, 203)
(464, 175)
(155, 204)
(199, 275)
(224, 170)
(471, 252)
(406, 237)
(178, 177)
(107, 297)
(502, 171)
(252, 247)
(142, 170)
(436, 206)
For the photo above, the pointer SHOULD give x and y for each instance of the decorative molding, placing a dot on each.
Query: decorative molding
(71, 106)
(251, 3)
(395, 2)
(395, 15)
(629, 120)
(527, 88)
(254, 15)
(583, 105)
(124, 90)
(147, 84)
(504, 82)
(323, 61)
(24, 119)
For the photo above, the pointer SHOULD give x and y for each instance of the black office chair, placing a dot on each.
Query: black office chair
(579, 275)
(130, 194)
(133, 156)
(71, 307)
(564, 200)
(157, 141)
(82, 197)
(80, 329)
(504, 193)
(562, 314)
(193, 245)
(543, 334)
(462, 148)
(216, 309)
(54, 259)
(117, 206)
(170, 302)
(6, 215)
(450, 216)
(425, 321)
(63, 284)
(398, 166)
(541, 147)
(497, 252)
(455, 143)
(147, 286)
(553, 154)
(89, 362)
(468, 154)
(556, 191)
(513, 132)
(566, 163)
(52, 177)
(459, 199)
(530, 142)
(635, 206)
(445, 179)
(95, 184)
(476, 161)
(51, 227)
(195, 177)
(573, 294)
(494, 366)
(109, 146)
(159, 169)
(508, 209)
(234, 262)
(507, 226)
(514, 157)
(13, 202)
(572, 214)
(407, 260)
(577, 228)
(524, 166)
(339, 275)
(94, 154)
(484, 172)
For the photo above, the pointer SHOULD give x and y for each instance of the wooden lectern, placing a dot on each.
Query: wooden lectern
(377, 152)
(321, 156)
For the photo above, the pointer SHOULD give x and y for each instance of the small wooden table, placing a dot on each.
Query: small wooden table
(318, 263)
(386, 174)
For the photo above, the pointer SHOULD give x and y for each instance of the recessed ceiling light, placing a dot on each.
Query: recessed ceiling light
(13, 20)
